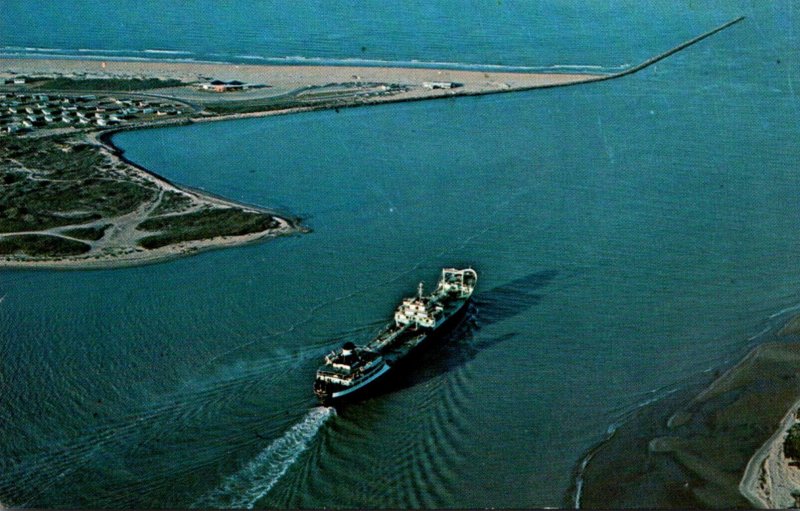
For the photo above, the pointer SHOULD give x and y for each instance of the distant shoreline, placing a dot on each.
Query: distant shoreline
(260, 91)
(68, 54)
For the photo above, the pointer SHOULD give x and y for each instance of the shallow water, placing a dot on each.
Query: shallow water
(628, 234)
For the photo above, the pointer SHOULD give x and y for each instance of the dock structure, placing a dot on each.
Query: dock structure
(643, 65)
(661, 56)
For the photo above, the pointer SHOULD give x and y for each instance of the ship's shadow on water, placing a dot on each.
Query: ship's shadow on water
(463, 343)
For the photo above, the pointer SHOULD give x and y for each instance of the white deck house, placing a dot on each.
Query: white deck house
(220, 86)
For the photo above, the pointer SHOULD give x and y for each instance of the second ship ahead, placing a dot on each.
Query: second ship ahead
(350, 369)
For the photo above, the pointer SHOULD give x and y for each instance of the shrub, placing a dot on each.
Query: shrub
(791, 446)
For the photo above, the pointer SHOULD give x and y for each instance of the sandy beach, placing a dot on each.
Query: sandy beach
(284, 78)
(770, 480)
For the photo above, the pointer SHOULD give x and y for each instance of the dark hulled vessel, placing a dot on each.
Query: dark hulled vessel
(350, 370)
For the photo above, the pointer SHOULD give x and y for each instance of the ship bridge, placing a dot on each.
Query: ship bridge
(457, 282)
(418, 311)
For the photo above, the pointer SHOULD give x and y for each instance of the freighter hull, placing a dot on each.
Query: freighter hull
(341, 394)
(400, 357)
(352, 371)
(396, 361)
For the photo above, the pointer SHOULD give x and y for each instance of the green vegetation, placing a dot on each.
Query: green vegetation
(88, 233)
(50, 182)
(41, 245)
(173, 202)
(106, 84)
(61, 182)
(204, 224)
(254, 105)
(791, 446)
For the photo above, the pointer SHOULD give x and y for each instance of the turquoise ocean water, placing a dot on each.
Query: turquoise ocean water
(630, 235)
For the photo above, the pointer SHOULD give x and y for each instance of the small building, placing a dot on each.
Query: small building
(48, 118)
(220, 86)
(439, 85)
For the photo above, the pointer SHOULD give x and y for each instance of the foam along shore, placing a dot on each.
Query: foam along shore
(282, 79)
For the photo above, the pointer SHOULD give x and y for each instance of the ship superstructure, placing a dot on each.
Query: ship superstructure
(351, 368)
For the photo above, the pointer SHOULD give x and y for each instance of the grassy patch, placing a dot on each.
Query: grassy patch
(255, 105)
(88, 233)
(106, 84)
(791, 446)
(69, 183)
(204, 224)
(41, 245)
(173, 202)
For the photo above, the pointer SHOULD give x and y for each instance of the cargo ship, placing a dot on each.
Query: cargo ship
(349, 371)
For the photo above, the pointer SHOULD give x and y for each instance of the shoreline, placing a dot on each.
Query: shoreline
(713, 443)
(325, 88)
(105, 140)
(135, 255)
(769, 464)
(152, 256)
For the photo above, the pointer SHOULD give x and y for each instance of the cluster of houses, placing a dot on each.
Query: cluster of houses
(20, 112)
